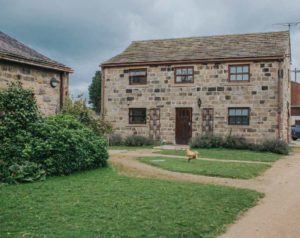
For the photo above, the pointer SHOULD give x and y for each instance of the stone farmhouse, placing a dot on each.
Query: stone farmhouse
(175, 89)
(47, 78)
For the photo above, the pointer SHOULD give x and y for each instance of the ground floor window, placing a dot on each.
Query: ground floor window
(137, 115)
(238, 116)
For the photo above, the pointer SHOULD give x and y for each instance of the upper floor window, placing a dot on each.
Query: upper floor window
(137, 76)
(239, 73)
(184, 75)
(238, 116)
(137, 115)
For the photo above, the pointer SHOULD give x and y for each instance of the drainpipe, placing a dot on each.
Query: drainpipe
(279, 100)
(102, 109)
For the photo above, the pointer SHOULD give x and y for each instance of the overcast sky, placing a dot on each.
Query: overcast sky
(82, 34)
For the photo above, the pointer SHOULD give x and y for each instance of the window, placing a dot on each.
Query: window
(184, 75)
(239, 73)
(137, 76)
(238, 116)
(137, 115)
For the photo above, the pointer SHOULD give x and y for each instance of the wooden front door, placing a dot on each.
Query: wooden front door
(207, 120)
(183, 131)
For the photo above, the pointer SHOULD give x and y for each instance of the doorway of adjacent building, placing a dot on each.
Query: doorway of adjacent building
(183, 130)
(207, 120)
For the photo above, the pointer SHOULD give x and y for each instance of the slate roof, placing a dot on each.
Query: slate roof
(13, 50)
(254, 45)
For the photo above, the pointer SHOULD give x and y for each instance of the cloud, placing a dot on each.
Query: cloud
(82, 34)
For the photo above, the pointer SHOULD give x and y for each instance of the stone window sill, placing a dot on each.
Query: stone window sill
(137, 125)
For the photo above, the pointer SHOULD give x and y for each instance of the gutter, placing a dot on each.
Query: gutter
(36, 63)
(194, 61)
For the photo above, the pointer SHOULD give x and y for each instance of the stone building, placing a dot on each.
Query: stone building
(47, 78)
(295, 103)
(175, 89)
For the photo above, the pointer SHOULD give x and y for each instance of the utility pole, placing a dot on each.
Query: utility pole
(289, 25)
(296, 72)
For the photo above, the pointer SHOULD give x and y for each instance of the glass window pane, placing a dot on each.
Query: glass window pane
(231, 120)
(190, 71)
(245, 69)
(245, 112)
(190, 78)
(238, 112)
(245, 77)
(178, 79)
(232, 69)
(239, 77)
(232, 77)
(239, 69)
(231, 112)
(178, 71)
(184, 71)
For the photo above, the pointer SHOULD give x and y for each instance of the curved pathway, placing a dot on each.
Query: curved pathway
(276, 216)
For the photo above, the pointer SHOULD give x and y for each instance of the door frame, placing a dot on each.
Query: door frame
(190, 121)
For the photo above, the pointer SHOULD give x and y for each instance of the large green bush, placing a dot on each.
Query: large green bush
(63, 145)
(58, 145)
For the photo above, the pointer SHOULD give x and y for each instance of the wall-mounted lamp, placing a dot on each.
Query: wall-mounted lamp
(54, 82)
(199, 102)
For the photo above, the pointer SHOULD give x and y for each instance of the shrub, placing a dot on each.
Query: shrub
(25, 172)
(18, 110)
(275, 146)
(235, 142)
(115, 140)
(88, 117)
(63, 145)
(136, 140)
(206, 141)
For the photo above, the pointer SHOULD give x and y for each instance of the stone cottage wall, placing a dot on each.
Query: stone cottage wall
(211, 85)
(38, 80)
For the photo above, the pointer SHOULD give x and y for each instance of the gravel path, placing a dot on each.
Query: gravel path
(276, 216)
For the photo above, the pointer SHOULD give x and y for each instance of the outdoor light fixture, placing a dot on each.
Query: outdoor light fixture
(54, 82)
(199, 102)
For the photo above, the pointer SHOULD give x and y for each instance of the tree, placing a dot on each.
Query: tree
(95, 91)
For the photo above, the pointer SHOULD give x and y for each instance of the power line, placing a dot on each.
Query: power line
(288, 24)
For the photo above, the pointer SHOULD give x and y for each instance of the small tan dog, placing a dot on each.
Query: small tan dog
(191, 155)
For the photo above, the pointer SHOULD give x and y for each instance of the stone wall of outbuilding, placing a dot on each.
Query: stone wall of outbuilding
(38, 80)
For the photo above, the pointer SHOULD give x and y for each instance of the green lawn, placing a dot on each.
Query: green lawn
(211, 168)
(100, 203)
(228, 154)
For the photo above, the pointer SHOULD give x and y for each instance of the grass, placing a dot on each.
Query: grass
(131, 147)
(228, 154)
(210, 168)
(100, 203)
